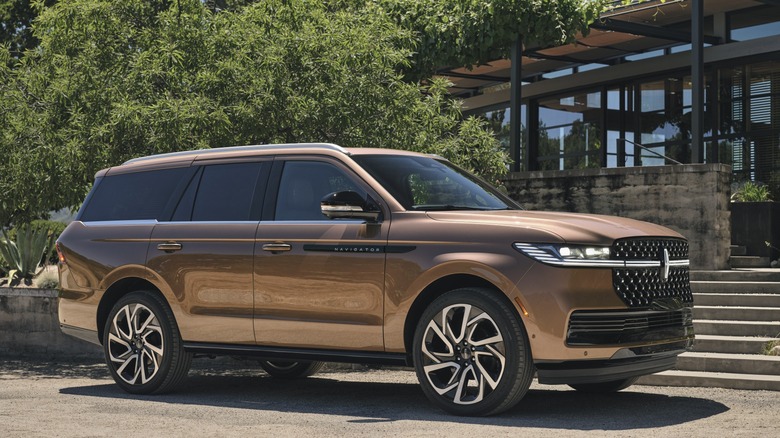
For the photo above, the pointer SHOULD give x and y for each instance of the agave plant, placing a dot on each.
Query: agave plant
(22, 258)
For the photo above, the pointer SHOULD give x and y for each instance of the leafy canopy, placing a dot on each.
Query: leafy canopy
(116, 79)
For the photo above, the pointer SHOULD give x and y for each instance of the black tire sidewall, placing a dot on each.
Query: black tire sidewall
(300, 369)
(513, 341)
(148, 300)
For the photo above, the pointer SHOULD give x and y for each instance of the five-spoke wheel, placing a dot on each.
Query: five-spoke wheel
(471, 353)
(142, 345)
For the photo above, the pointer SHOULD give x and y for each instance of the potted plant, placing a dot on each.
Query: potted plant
(755, 221)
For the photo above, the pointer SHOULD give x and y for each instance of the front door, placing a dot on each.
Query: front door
(318, 282)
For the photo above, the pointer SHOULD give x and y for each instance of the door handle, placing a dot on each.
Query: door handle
(276, 247)
(169, 246)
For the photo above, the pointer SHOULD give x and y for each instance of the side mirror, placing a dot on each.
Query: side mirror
(348, 204)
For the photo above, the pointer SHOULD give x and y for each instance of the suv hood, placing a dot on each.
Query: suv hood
(569, 227)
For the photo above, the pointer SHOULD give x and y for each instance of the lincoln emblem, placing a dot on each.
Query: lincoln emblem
(664, 265)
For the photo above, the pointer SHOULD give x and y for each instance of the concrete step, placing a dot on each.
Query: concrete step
(731, 344)
(738, 313)
(736, 328)
(767, 274)
(729, 363)
(712, 380)
(736, 250)
(736, 287)
(729, 299)
(748, 262)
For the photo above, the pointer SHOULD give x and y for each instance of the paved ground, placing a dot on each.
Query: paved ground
(234, 399)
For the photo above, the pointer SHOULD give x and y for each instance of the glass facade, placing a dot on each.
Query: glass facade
(631, 124)
(569, 132)
(646, 120)
(639, 123)
(749, 121)
(498, 122)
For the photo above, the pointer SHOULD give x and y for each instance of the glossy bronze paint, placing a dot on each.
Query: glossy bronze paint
(99, 254)
(315, 298)
(481, 245)
(209, 280)
(308, 297)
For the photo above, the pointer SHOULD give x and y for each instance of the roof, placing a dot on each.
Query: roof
(621, 31)
(185, 158)
(236, 151)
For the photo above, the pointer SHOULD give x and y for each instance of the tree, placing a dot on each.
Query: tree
(471, 32)
(117, 79)
(16, 17)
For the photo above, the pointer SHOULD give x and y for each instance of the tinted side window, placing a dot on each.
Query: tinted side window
(226, 192)
(304, 184)
(132, 196)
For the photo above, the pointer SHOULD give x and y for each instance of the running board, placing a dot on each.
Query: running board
(345, 356)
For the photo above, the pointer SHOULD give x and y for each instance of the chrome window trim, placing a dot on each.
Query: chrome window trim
(120, 223)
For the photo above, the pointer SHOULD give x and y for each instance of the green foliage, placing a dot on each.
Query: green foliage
(117, 79)
(22, 257)
(772, 348)
(472, 32)
(17, 17)
(751, 192)
(53, 229)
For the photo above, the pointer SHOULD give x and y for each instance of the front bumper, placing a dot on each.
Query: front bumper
(626, 363)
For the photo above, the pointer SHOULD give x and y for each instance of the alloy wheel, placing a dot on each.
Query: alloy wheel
(135, 344)
(464, 355)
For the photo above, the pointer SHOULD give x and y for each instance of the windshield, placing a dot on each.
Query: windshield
(423, 183)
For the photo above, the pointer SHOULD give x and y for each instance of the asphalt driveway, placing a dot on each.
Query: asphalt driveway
(236, 399)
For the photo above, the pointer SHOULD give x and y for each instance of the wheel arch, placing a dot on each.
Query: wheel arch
(115, 292)
(437, 289)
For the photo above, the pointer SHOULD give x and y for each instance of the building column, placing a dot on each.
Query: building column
(697, 79)
(515, 107)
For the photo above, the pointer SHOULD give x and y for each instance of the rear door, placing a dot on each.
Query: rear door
(318, 282)
(204, 254)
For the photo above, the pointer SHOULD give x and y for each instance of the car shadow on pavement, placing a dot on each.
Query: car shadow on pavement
(374, 402)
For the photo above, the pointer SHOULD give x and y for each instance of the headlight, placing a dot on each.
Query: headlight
(569, 255)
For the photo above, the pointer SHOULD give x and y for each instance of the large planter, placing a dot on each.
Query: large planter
(755, 223)
(30, 327)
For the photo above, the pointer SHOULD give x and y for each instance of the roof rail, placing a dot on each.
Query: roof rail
(249, 148)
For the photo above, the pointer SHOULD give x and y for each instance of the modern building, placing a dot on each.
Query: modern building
(653, 114)
(626, 94)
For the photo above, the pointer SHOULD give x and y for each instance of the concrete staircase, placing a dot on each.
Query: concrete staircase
(736, 313)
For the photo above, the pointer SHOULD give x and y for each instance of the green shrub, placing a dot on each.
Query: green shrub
(751, 192)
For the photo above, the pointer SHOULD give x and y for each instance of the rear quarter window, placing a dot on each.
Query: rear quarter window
(132, 196)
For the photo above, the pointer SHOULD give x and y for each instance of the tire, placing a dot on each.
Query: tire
(480, 365)
(142, 344)
(611, 386)
(285, 369)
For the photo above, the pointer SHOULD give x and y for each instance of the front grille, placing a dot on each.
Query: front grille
(640, 286)
(587, 327)
(649, 249)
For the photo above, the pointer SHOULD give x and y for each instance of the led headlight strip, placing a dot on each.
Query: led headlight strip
(587, 257)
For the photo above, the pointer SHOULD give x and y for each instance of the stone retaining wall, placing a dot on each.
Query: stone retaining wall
(690, 199)
(29, 327)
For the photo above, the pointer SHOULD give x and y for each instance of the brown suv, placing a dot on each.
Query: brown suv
(301, 254)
